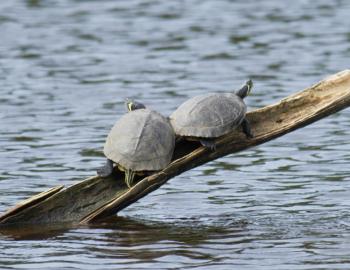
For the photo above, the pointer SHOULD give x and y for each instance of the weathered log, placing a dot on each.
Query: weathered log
(31, 201)
(96, 198)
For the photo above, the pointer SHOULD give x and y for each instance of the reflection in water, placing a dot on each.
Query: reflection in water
(33, 232)
(194, 241)
(131, 230)
(149, 240)
(134, 240)
(66, 68)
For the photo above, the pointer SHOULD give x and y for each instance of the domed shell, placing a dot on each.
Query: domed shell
(141, 140)
(208, 116)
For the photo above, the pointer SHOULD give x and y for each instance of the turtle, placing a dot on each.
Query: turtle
(141, 141)
(209, 116)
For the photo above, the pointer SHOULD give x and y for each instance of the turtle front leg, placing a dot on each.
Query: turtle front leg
(129, 177)
(246, 128)
(208, 144)
(106, 170)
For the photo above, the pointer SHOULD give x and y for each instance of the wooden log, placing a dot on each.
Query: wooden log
(96, 198)
(30, 202)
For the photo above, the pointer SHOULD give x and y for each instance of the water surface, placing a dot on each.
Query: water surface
(66, 68)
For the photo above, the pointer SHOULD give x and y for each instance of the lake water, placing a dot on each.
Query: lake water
(66, 68)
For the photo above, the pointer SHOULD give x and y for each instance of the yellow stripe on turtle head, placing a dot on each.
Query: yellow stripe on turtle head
(130, 105)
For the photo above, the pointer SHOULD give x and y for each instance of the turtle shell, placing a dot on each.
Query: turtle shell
(208, 116)
(141, 140)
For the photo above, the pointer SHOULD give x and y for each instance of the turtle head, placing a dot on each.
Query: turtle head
(245, 89)
(132, 105)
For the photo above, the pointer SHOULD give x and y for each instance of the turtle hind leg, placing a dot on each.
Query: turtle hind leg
(106, 170)
(247, 129)
(129, 177)
(207, 143)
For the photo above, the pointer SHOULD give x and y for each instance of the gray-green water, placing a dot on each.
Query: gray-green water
(66, 68)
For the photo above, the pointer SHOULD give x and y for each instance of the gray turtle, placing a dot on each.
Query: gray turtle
(141, 140)
(209, 116)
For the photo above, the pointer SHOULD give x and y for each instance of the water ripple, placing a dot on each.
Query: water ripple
(66, 68)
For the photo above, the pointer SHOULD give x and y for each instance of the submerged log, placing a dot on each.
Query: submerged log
(96, 198)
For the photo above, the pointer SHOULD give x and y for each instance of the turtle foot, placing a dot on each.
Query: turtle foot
(247, 129)
(106, 170)
(208, 144)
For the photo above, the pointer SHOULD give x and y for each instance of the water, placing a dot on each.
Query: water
(66, 68)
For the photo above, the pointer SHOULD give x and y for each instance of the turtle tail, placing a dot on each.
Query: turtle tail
(129, 177)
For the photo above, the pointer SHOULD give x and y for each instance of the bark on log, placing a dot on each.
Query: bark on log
(96, 198)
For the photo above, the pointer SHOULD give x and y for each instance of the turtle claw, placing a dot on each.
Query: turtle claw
(210, 144)
(106, 170)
